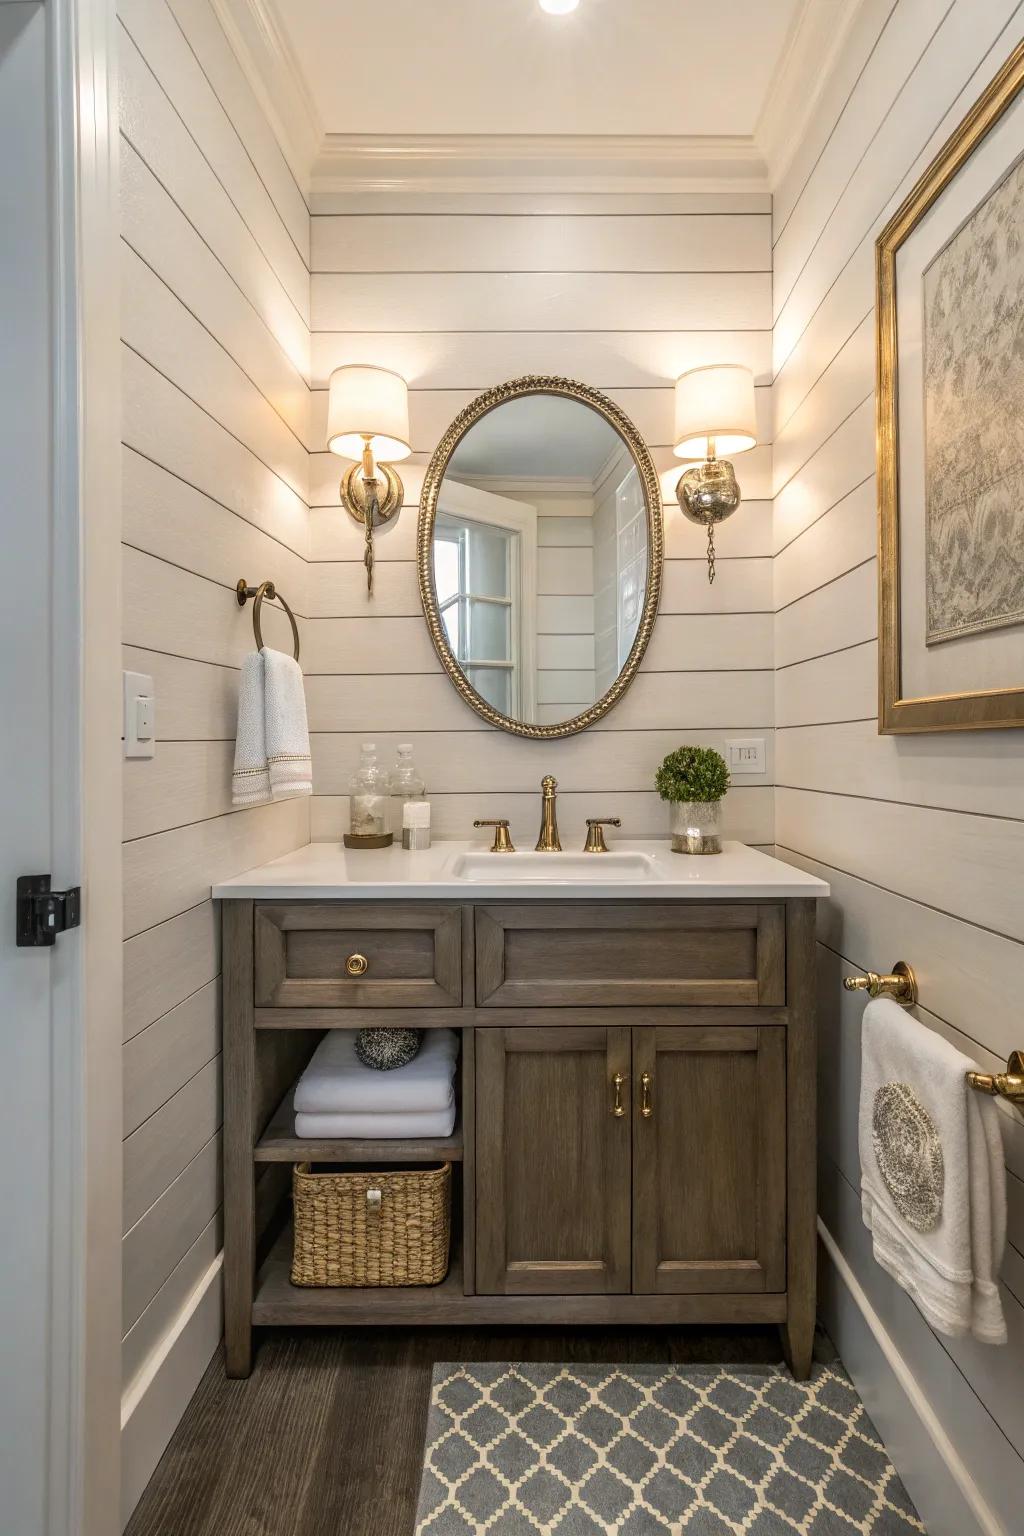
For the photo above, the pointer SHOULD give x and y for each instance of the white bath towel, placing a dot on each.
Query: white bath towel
(933, 1181)
(272, 760)
(382, 1127)
(337, 1082)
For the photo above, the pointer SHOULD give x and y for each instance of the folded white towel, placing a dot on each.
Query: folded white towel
(272, 760)
(381, 1127)
(933, 1180)
(336, 1081)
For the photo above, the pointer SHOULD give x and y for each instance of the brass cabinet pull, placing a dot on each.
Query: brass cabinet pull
(618, 1108)
(357, 965)
(646, 1099)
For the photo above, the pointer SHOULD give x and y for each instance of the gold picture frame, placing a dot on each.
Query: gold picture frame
(986, 709)
(515, 389)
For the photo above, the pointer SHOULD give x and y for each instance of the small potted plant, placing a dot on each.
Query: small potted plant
(693, 781)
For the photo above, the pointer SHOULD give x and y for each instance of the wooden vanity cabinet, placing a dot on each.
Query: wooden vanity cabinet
(636, 1135)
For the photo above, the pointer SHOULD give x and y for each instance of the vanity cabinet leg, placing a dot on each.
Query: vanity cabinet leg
(239, 1135)
(801, 1116)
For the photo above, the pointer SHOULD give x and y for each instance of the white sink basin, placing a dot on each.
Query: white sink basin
(553, 868)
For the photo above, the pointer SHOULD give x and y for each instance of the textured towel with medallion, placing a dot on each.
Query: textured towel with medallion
(933, 1180)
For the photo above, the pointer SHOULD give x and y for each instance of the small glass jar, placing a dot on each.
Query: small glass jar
(406, 785)
(696, 826)
(368, 795)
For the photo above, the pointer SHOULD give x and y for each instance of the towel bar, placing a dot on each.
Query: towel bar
(265, 589)
(901, 985)
(1004, 1085)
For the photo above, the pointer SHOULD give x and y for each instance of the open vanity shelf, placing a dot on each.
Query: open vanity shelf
(635, 1139)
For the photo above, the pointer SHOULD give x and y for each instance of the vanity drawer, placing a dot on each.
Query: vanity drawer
(358, 955)
(700, 953)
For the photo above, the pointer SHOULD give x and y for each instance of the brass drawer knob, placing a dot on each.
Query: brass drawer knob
(618, 1108)
(357, 965)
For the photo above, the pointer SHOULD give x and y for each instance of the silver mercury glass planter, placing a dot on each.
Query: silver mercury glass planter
(696, 826)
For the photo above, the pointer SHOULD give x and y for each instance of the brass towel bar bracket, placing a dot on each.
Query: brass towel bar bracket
(900, 985)
(1004, 1085)
(266, 589)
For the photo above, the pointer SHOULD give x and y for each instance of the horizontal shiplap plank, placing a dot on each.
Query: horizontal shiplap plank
(155, 131)
(155, 228)
(565, 651)
(167, 1231)
(201, 25)
(166, 1143)
(164, 1056)
(538, 301)
(157, 325)
(839, 613)
(983, 776)
(147, 1332)
(152, 27)
(965, 865)
(542, 243)
(841, 537)
(748, 814)
(171, 610)
(565, 573)
(843, 309)
(184, 781)
(841, 463)
(740, 586)
(196, 700)
(474, 360)
(165, 426)
(168, 963)
(842, 686)
(571, 689)
(592, 760)
(844, 384)
(172, 871)
(164, 516)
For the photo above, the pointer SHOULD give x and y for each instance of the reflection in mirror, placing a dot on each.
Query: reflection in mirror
(540, 557)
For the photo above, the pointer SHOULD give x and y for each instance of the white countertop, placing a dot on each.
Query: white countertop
(329, 871)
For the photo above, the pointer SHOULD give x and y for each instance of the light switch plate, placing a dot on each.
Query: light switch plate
(139, 722)
(745, 754)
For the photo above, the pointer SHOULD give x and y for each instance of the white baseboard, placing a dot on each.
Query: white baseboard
(947, 1497)
(154, 1401)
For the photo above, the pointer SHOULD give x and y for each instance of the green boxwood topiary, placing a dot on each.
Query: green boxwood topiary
(692, 773)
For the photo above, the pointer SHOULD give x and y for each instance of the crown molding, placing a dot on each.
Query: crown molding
(275, 77)
(818, 34)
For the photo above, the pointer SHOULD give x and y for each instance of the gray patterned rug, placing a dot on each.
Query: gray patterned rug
(603, 1450)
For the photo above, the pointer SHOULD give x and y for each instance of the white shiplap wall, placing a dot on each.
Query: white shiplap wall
(624, 298)
(921, 838)
(215, 326)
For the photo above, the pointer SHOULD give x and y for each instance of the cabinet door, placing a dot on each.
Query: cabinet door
(709, 1159)
(552, 1161)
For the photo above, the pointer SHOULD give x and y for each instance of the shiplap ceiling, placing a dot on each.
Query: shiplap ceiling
(507, 67)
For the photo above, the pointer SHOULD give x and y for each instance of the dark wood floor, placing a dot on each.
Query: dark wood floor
(326, 1437)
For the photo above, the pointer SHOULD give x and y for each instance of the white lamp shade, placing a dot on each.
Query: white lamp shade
(367, 402)
(716, 402)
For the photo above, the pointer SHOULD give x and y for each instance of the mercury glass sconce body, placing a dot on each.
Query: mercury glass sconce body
(715, 413)
(368, 421)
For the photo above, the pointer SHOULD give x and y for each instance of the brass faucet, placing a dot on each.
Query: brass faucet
(548, 841)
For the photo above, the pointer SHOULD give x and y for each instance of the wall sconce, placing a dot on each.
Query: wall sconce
(715, 413)
(368, 416)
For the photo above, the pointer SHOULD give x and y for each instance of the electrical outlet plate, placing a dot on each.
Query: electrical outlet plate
(139, 720)
(745, 754)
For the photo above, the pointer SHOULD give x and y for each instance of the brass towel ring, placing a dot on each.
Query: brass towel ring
(265, 589)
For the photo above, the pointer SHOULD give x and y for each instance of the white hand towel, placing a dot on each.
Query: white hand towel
(382, 1127)
(337, 1082)
(272, 759)
(933, 1180)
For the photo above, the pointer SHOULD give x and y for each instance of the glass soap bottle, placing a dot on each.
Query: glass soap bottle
(406, 785)
(368, 792)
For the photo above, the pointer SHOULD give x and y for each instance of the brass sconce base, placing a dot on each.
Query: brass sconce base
(362, 499)
(708, 494)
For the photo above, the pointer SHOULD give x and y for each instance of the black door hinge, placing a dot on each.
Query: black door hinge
(43, 913)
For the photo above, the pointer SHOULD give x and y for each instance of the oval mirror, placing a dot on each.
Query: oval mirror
(539, 554)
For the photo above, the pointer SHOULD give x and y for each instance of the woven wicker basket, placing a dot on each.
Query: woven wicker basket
(371, 1228)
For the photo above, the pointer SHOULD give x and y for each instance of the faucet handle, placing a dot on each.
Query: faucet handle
(502, 842)
(595, 842)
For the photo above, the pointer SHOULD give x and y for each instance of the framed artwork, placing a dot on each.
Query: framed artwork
(949, 270)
